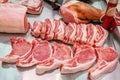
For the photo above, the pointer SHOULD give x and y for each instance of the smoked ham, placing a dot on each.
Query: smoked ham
(80, 12)
(13, 18)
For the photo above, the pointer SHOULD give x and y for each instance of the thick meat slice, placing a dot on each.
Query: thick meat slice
(35, 30)
(84, 58)
(79, 12)
(106, 62)
(39, 29)
(3, 1)
(61, 54)
(20, 49)
(40, 52)
(70, 31)
(33, 6)
(13, 18)
(50, 26)
(91, 33)
(59, 29)
(101, 36)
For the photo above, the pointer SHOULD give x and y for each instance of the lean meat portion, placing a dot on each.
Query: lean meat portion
(61, 54)
(79, 12)
(20, 48)
(3, 1)
(82, 33)
(33, 6)
(84, 58)
(40, 52)
(106, 62)
(101, 36)
(13, 18)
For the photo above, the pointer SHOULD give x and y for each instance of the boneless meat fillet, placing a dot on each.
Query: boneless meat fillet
(13, 18)
(106, 62)
(84, 58)
(79, 12)
(33, 6)
(20, 48)
(61, 54)
(40, 52)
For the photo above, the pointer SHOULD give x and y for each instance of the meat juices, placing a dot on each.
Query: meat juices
(15, 17)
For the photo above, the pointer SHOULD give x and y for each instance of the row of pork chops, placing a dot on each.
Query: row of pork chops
(55, 55)
(71, 33)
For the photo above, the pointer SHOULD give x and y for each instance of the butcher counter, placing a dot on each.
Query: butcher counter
(11, 72)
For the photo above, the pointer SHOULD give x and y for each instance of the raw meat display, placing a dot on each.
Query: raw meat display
(84, 58)
(80, 12)
(20, 48)
(13, 18)
(3, 1)
(33, 6)
(61, 54)
(47, 57)
(41, 51)
(106, 62)
(82, 33)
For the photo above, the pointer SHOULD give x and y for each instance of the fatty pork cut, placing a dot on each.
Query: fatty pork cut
(106, 62)
(40, 52)
(79, 12)
(90, 34)
(3, 1)
(33, 6)
(13, 18)
(61, 54)
(84, 58)
(20, 48)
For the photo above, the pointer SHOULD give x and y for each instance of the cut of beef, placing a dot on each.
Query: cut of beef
(79, 12)
(33, 6)
(20, 48)
(61, 54)
(40, 52)
(84, 57)
(106, 62)
(13, 13)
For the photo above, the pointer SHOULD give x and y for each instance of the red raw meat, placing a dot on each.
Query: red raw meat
(61, 54)
(3, 1)
(33, 6)
(84, 58)
(13, 18)
(20, 48)
(101, 35)
(40, 52)
(106, 62)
